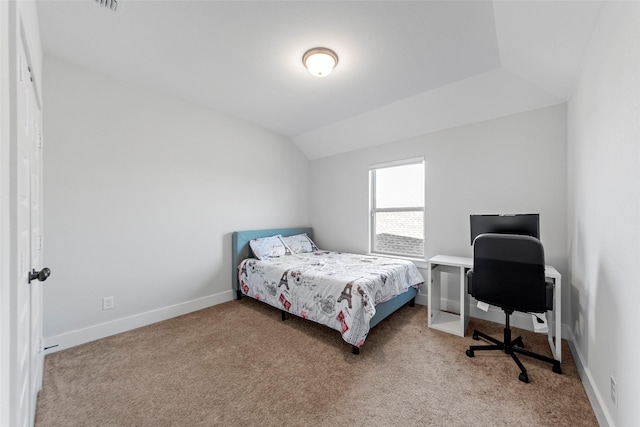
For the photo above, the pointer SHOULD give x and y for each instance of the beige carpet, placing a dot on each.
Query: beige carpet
(238, 364)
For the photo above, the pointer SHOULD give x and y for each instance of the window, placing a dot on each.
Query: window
(397, 208)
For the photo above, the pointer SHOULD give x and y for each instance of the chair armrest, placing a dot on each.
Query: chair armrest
(549, 298)
(470, 282)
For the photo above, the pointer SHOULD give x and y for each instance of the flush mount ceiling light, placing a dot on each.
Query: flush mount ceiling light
(320, 61)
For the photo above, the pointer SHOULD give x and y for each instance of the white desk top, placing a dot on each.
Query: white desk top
(454, 261)
(467, 262)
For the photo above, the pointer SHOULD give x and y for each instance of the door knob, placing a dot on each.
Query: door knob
(40, 275)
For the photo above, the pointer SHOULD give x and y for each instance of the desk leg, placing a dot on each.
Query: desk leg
(434, 293)
(464, 302)
(556, 345)
(558, 320)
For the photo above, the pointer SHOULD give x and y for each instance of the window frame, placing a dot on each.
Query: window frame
(373, 210)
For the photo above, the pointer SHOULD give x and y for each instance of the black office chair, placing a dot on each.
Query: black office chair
(508, 272)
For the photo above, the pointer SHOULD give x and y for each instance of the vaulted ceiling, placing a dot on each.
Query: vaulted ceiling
(405, 68)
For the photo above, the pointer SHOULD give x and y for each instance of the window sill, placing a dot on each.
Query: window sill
(418, 262)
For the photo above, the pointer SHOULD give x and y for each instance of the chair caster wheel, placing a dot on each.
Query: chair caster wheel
(470, 353)
(523, 377)
(557, 369)
(475, 337)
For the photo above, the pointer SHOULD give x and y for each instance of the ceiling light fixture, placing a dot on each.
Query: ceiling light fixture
(320, 61)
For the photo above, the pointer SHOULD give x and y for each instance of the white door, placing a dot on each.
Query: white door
(23, 291)
(37, 355)
(28, 352)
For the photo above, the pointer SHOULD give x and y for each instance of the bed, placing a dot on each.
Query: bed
(350, 293)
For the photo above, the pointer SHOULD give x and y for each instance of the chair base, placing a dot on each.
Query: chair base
(511, 347)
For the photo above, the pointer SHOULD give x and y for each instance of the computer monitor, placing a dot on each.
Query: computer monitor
(527, 224)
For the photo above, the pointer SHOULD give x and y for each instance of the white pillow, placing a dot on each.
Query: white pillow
(300, 243)
(269, 247)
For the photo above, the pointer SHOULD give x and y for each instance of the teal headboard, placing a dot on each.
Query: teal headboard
(240, 246)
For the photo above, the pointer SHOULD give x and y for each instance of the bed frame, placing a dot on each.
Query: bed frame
(240, 247)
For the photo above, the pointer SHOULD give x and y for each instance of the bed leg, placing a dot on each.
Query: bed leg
(238, 294)
(355, 350)
(412, 303)
(282, 312)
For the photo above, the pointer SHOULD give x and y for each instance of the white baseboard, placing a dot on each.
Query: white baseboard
(102, 330)
(594, 395)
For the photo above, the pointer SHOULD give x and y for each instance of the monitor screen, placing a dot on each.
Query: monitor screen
(527, 224)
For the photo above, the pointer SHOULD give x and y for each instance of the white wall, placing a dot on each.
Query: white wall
(514, 164)
(142, 193)
(604, 211)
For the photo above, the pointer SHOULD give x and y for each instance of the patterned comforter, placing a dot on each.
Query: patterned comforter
(339, 290)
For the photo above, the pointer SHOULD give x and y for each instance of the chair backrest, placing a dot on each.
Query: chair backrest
(508, 271)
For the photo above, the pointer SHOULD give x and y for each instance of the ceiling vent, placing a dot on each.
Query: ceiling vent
(111, 4)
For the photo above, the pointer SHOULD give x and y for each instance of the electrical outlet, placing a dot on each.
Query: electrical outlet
(107, 303)
(614, 392)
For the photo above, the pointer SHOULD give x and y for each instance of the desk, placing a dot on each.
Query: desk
(457, 323)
